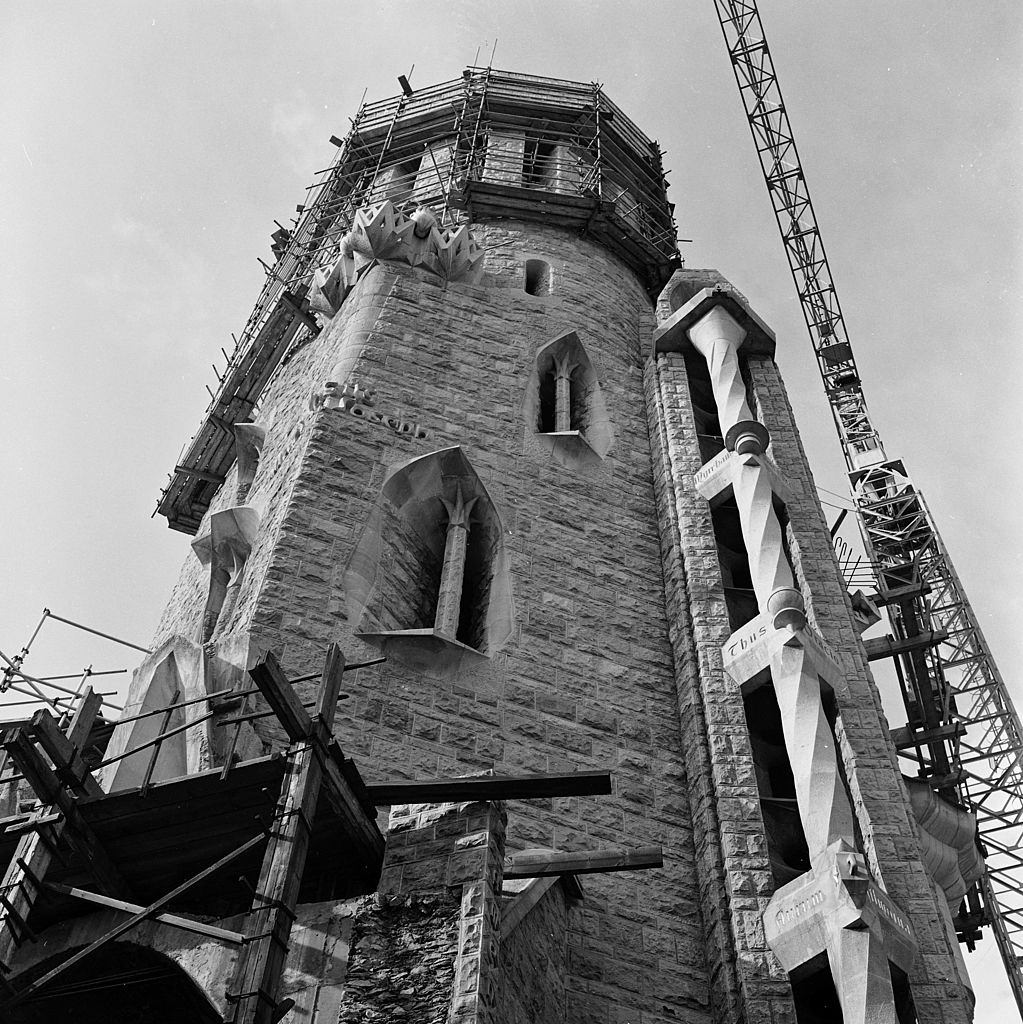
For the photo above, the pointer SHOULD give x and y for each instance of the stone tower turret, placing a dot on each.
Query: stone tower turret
(484, 426)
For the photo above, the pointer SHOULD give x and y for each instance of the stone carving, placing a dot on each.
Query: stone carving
(224, 545)
(820, 792)
(353, 399)
(381, 232)
(841, 911)
(835, 908)
(565, 406)
(429, 580)
(330, 285)
(717, 336)
(563, 367)
(452, 574)
(248, 442)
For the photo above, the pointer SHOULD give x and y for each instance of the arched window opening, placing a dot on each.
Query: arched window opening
(562, 400)
(564, 405)
(538, 277)
(786, 841)
(396, 181)
(123, 982)
(429, 578)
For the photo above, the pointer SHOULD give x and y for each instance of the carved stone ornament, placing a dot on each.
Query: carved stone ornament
(380, 233)
(835, 909)
(224, 546)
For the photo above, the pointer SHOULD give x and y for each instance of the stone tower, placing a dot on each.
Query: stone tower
(483, 426)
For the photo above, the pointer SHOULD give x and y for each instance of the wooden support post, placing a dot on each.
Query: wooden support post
(268, 675)
(261, 960)
(71, 770)
(287, 706)
(46, 783)
(84, 718)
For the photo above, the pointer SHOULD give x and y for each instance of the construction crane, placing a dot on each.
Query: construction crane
(963, 734)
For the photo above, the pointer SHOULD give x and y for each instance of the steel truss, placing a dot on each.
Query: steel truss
(965, 735)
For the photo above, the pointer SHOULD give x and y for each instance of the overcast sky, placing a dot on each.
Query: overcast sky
(148, 148)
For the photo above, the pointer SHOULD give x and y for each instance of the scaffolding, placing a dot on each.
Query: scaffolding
(294, 826)
(488, 145)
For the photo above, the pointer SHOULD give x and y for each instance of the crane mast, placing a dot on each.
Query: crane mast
(963, 734)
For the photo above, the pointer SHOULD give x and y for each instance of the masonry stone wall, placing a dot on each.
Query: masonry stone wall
(587, 679)
(534, 962)
(614, 661)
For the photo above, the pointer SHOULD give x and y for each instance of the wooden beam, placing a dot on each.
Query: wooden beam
(904, 737)
(359, 824)
(492, 787)
(201, 474)
(21, 994)
(19, 890)
(268, 675)
(199, 927)
(19, 824)
(890, 646)
(84, 718)
(34, 852)
(71, 770)
(588, 862)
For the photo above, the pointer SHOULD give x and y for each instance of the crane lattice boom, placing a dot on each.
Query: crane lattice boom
(963, 733)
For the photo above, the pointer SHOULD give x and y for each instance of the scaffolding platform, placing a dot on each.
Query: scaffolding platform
(490, 145)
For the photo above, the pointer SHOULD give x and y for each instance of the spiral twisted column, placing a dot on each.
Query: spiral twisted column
(857, 945)
(717, 337)
(823, 803)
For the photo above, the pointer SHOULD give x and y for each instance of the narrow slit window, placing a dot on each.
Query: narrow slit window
(538, 277)
(564, 405)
